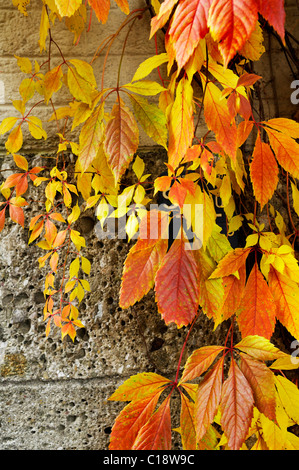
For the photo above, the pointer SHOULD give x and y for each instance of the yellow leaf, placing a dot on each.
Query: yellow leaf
(43, 29)
(27, 89)
(295, 194)
(145, 87)
(7, 124)
(24, 63)
(78, 241)
(85, 70)
(36, 127)
(15, 140)
(21, 162)
(74, 268)
(147, 66)
(289, 395)
(67, 7)
(21, 4)
(253, 49)
(138, 167)
(74, 214)
(80, 88)
(52, 82)
(86, 266)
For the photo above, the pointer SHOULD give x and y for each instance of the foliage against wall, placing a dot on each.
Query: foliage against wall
(210, 43)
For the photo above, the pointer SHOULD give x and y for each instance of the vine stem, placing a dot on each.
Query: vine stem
(184, 346)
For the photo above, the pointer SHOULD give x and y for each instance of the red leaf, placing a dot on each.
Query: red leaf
(188, 26)
(273, 11)
(236, 407)
(231, 24)
(2, 219)
(177, 286)
(156, 433)
(208, 399)
(122, 138)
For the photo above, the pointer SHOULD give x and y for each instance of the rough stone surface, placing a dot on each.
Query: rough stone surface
(53, 393)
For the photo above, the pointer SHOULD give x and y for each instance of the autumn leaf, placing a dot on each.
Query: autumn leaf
(261, 380)
(231, 263)
(140, 268)
(90, 138)
(121, 139)
(286, 150)
(189, 25)
(263, 172)
(176, 285)
(285, 292)
(256, 314)
(161, 19)
(208, 398)
(236, 407)
(151, 118)
(219, 120)
(130, 420)
(156, 433)
(199, 361)
(231, 24)
(139, 386)
(148, 65)
(181, 125)
(273, 11)
(67, 7)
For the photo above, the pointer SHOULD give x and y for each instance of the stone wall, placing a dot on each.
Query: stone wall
(53, 393)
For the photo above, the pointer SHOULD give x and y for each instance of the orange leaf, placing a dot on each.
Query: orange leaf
(236, 407)
(286, 295)
(2, 219)
(231, 24)
(219, 120)
(139, 386)
(139, 272)
(188, 26)
(187, 423)
(256, 314)
(15, 140)
(130, 420)
(21, 162)
(263, 172)
(161, 19)
(101, 9)
(16, 214)
(122, 138)
(286, 151)
(199, 361)
(156, 433)
(123, 5)
(231, 263)
(233, 291)
(208, 398)
(261, 380)
(177, 286)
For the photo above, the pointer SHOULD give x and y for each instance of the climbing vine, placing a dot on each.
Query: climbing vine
(233, 396)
